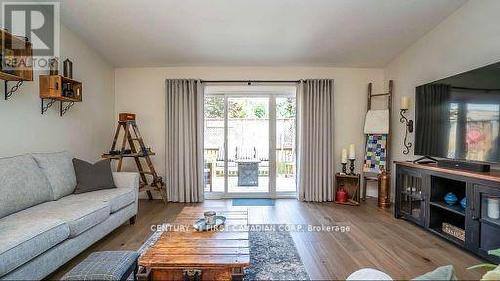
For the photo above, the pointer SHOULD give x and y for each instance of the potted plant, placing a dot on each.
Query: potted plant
(493, 272)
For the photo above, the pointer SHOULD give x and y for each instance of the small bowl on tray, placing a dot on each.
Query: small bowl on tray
(202, 225)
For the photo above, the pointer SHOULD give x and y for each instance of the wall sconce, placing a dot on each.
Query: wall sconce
(405, 105)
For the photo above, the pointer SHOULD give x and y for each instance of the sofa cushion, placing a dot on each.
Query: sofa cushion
(58, 168)
(27, 234)
(22, 184)
(117, 198)
(80, 215)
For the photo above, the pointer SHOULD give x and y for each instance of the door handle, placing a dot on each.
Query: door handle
(474, 216)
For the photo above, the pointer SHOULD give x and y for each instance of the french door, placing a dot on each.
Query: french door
(250, 145)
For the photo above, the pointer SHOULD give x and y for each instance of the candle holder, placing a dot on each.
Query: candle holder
(351, 167)
(344, 168)
(409, 129)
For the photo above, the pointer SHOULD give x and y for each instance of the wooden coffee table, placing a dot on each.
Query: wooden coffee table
(193, 255)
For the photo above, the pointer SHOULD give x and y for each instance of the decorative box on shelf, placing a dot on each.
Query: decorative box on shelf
(59, 88)
(454, 231)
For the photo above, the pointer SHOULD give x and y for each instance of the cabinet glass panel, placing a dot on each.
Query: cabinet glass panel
(489, 236)
(411, 196)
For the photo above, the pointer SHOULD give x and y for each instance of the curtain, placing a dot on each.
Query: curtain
(316, 151)
(433, 120)
(184, 140)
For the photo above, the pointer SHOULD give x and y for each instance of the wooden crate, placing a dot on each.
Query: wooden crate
(351, 184)
(22, 52)
(51, 88)
(125, 116)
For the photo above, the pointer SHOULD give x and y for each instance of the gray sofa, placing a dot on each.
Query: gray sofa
(43, 224)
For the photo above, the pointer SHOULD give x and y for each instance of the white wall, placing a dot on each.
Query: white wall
(142, 91)
(468, 39)
(87, 128)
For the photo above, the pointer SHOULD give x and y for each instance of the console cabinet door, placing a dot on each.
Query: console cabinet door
(486, 220)
(410, 195)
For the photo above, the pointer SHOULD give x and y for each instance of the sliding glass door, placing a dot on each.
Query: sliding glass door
(249, 145)
(285, 144)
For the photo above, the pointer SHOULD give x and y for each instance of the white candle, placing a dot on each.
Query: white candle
(405, 103)
(344, 156)
(352, 152)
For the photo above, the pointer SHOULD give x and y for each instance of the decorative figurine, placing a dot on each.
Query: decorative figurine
(53, 66)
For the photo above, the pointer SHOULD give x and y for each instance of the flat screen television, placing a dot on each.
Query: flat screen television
(458, 117)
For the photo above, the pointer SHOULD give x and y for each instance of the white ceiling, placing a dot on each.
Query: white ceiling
(353, 33)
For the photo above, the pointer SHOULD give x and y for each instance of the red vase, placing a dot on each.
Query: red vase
(341, 195)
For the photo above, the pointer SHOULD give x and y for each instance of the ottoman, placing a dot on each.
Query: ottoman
(107, 265)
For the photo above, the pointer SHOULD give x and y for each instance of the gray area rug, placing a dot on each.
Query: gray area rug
(273, 256)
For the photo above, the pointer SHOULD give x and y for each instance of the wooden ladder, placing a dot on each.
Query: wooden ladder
(131, 135)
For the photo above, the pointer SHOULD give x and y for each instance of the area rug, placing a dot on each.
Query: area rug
(253, 202)
(273, 256)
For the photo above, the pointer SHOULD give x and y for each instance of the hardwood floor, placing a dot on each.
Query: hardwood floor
(376, 239)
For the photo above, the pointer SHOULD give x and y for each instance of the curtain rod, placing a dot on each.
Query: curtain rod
(475, 89)
(250, 81)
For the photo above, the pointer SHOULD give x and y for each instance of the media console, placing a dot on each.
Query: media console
(419, 198)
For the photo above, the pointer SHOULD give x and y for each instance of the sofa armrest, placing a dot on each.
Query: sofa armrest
(126, 179)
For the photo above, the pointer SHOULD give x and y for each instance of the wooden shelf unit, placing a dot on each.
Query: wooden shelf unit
(22, 52)
(51, 87)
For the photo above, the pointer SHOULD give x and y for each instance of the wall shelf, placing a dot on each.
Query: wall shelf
(21, 50)
(59, 88)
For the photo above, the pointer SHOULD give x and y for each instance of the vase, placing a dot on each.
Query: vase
(450, 198)
(494, 208)
(341, 195)
(463, 202)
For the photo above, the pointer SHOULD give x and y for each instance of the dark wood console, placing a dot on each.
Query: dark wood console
(419, 198)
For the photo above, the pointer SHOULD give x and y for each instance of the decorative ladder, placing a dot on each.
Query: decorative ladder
(127, 122)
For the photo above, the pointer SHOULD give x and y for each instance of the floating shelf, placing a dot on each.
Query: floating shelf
(53, 88)
(10, 77)
(22, 51)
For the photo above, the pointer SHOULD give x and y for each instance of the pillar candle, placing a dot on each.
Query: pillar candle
(405, 103)
(344, 156)
(352, 152)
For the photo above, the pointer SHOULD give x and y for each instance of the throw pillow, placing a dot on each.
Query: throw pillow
(92, 177)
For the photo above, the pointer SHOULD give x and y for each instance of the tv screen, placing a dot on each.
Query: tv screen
(458, 117)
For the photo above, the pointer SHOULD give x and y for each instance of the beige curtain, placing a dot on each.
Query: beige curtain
(184, 140)
(316, 152)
